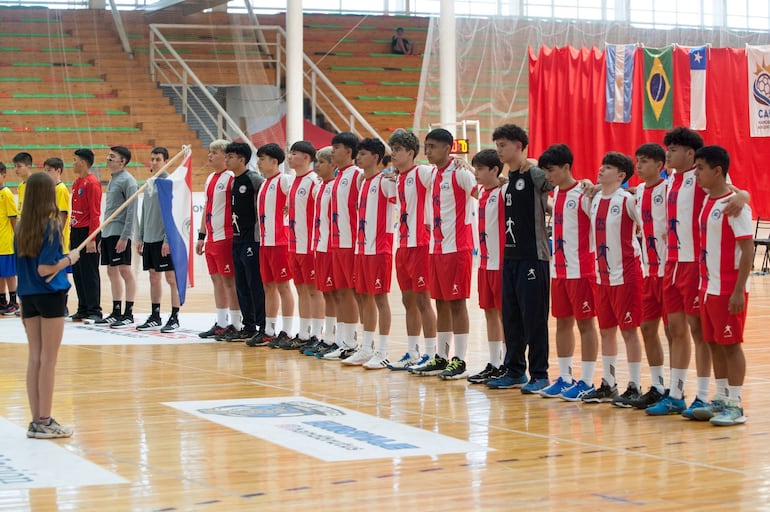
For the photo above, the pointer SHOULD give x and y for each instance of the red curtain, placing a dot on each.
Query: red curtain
(567, 105)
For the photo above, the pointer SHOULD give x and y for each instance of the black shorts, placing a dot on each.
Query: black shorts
(47, 305)
(152, 259)
(112, 258)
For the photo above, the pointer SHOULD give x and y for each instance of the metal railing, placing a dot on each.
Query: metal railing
(168, 67)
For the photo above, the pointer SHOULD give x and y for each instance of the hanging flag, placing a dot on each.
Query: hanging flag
(698, 58)
(175, 196)
(619, 59)
(759, 90)
(658, 93)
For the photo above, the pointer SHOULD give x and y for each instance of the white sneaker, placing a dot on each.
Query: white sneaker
(342, 352)
(378, 361)
(407, 360)
(419, 365)
(359, 357)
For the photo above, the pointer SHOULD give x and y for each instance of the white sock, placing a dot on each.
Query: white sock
(349, 335)
(382, 347)
(444, 341)
(430, 346)
(635, 374)
(608, 367)
(461, 345)
(316, 327)
(658, 382)
(304, 328)
(287, 324)
(368, 343)
(330, 327)
(270, 327)
(222, 317)
(734, 393)
(565, 368)
(587, 371)
(235, 319)
(495, 353)
(703, 388)
(412, 345)
(678, 380)
(721, 388)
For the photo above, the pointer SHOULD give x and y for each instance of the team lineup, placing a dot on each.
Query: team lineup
(677, 249)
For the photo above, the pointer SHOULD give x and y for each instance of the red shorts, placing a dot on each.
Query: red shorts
(274, 264)
(719, 325)
(490, 285)
(450, 275)
(219, 257)
(619, 306)
(344, 263)
(412, 268)
(373, 273)
(573, 297)
(302, 268)
(324, 274)
(680, 287)
(652, 299)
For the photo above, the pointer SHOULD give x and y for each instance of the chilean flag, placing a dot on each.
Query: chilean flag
(175, 196)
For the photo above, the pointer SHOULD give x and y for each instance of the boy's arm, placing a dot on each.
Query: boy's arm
(737, 301)
(734, 204)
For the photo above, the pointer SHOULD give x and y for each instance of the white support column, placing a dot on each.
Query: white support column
(447, 65)
(294, 80)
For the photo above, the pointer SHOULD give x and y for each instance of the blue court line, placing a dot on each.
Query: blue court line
(618, 499)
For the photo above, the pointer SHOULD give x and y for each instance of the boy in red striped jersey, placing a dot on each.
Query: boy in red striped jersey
(726, 256)
(572, 277)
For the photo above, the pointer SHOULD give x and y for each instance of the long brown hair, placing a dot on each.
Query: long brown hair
(40, 212)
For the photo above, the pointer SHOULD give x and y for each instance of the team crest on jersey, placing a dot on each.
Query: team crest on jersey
(272, 186)
(410, 181)
(492, 199)
(344, 182)
(688, 182)
(716, 214)
(301, 192)
(571, 204)
(615, 210)
(445, 186)
(373, 190)
(220, 186)
(658, 199)
(520, 184)
(242, 189)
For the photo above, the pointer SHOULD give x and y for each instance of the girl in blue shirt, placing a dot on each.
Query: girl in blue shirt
(43, 291)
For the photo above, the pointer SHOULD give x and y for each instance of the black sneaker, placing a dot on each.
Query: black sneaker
(316, 348)
(651, 397)
(602, 394)
(228, 332)
(296, 343)
(282, 337)
(237, 335)
(629, 395)
(434, 367)
(108, 320)
(307, 343)
(171, 325)
(454, 370)
(153, 323)
(258, 340)
(490, 372)
(78, 317)
(331, 348)
(123, 322)
(216, 330)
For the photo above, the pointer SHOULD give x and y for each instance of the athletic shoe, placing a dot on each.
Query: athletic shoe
(92, 319)
(32, 430)
(507, 380)
(605, 393)
(406, 361)
(281, 337)
(454, 370)
(435, 366)
(171, 325)
(577, 391)
(308, 343)
(651, 397)
(555, 390)
(378, 361)
(627, 398)
(11, 309)
(236, 335)
(731, 414)
(224, 332)
(667, 405)
(360, 356)
(331, 348)
(490, 371)
(320, 346)
(696, 404)
(419, 365)
(534, 386)
(108, 320)
(153, 323)
(340, 353)
(295, 343)
(709, 411)
(258, 340)
(123, 322)
(77, 317)
(52, 430)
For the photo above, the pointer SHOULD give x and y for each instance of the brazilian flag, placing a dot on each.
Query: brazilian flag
(658, 93)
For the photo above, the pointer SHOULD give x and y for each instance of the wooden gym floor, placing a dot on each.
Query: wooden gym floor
(542, 454)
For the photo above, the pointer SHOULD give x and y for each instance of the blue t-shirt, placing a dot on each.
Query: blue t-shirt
(32, 283)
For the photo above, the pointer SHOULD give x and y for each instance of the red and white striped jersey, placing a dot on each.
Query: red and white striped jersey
(720, 254)
(302, 212)
(613, 220)
(218, 211)
(491, 231)
(651, 209)
(323, 216)
(412, 192)
(345, 206)
(451, 210)
(271, 208)
(685, 198)
(376, 198)
(573, 256)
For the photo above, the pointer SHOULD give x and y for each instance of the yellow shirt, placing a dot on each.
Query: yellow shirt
(63, 202)
(7, 212)
(22, 186)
